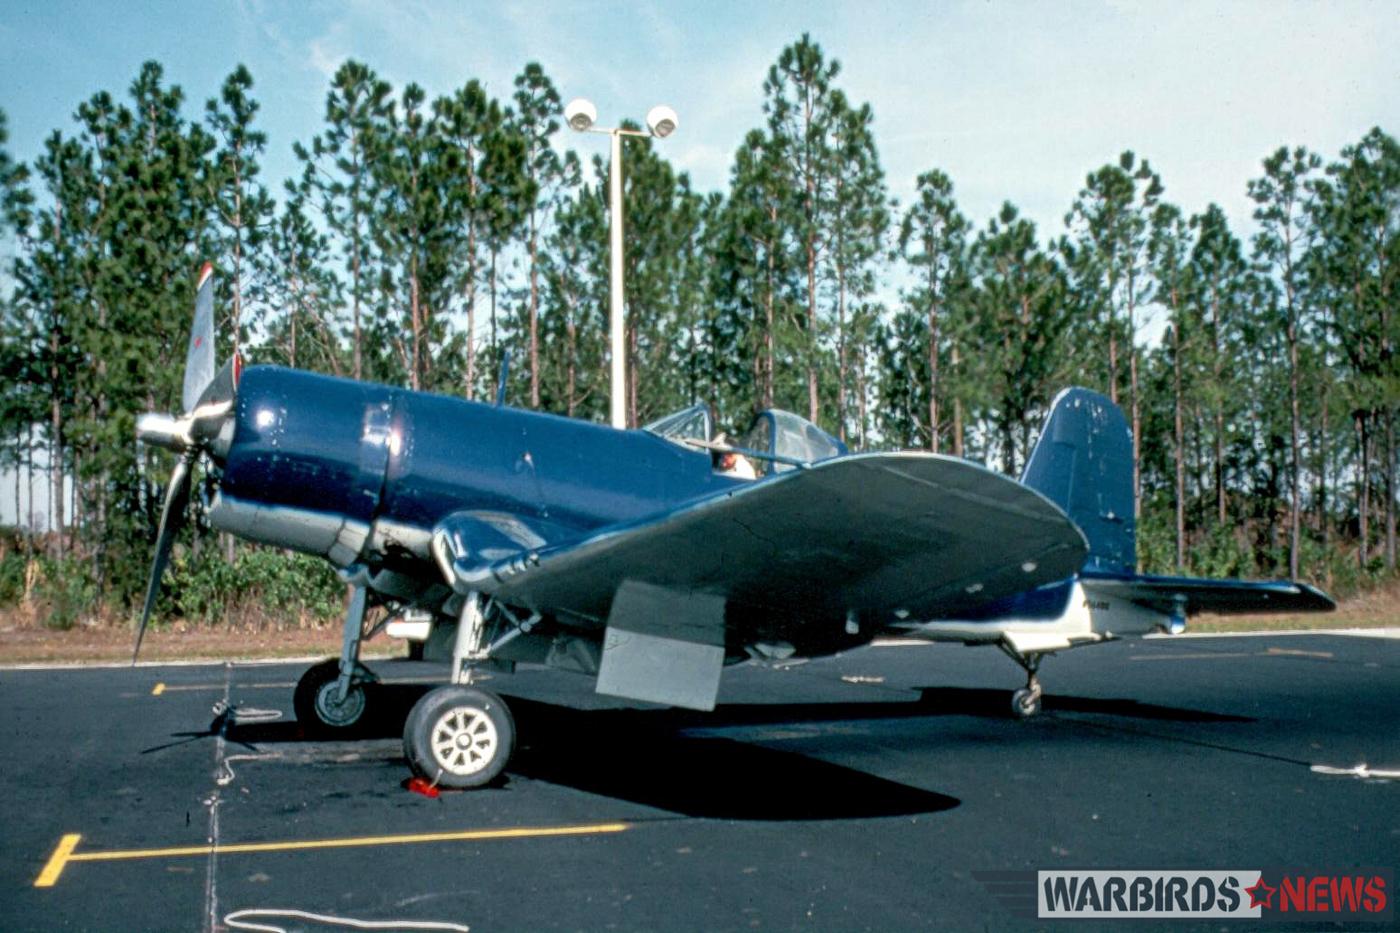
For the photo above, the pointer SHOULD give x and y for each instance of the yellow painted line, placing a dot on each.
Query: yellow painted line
(1298, 653)
(64, 853)
(280, 685)
(157, 690)
(54, 866)
(186, 688)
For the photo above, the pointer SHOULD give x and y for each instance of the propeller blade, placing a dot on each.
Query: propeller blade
(200, 365)
(171, 516)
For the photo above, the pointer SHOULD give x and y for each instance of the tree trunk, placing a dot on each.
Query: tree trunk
(813, 402)
(1179, 440)
(1363, 490)
(1390, 490)
(29, 482)
(571, 376)
(768, 328)
(495, 363)
(840, 330)
(957, 407)
(534, 317)
(415, 378)
(56, 451)
(932, 356)
(1295, 449)
(631, 374)
(860, 387)
(471, 280)
(1217, 364)
(355, 312)
(1133, 393)
(1112, 347)
(1323, 453)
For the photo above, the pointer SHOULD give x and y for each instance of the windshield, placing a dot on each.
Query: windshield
(692, 423)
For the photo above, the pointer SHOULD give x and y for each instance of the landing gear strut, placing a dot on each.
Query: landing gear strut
(332, 697)
(458, 735)
(1025, 702)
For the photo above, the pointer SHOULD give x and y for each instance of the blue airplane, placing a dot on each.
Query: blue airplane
(650, 559)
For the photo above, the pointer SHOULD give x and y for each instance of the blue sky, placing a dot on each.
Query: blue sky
(1015, 101)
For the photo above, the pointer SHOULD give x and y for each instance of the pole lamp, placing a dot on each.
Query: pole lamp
(582, 116)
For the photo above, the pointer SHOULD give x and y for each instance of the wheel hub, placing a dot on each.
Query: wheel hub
(464, 740)
(335, 713)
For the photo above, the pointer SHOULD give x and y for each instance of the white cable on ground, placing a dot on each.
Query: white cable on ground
(237, 921)
(1361, 771)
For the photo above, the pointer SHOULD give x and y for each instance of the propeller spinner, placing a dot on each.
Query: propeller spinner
(207, 397)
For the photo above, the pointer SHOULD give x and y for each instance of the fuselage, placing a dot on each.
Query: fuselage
(362, 473)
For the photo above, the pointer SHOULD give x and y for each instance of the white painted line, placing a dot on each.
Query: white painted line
(198, 662)
(1190, 656)
(1385, 632)
(1360, 771)
(1298, 653)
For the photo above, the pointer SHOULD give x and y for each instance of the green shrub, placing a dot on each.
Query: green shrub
(260, 581)
(64, 592)
(12, 566)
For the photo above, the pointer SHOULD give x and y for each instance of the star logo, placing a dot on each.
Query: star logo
(1261, 894)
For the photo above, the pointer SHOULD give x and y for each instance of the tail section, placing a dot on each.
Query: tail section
(1083, 463)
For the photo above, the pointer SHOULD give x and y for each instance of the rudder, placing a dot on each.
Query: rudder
(1083, 463)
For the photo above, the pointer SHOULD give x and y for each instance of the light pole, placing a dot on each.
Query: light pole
(661, 122)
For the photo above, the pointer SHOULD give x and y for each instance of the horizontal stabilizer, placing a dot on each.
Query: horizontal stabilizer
(1223, 597)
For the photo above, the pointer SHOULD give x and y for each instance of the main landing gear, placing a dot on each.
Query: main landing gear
(1025, 702)
(461, 736)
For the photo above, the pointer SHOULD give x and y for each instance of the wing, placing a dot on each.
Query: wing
(1226, 597)
(877, 534)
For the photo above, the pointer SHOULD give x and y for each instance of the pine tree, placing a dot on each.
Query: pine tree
(860, 219)
(339, 164)
(1280, 195)
(549, 177)
(243, 210)
(799, 105)
(1110, 218)
(467, 123)
(932, 239)
(1022, 317)
(1169, 253)
(1219, 268)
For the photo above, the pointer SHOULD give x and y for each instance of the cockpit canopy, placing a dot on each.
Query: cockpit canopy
(789, 440)
(775, 441)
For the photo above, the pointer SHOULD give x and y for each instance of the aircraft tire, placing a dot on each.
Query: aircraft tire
(314, 702)
(459, 737)
(1025, 703)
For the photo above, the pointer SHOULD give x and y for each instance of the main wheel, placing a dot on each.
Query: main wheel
(316, 706)
(1025, 703)
(459, 737)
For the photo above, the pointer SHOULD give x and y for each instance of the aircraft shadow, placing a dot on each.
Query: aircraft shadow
(973, 701)
(671, 759)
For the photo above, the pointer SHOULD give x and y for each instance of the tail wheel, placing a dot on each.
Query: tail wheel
(318, 706)
(459, 737)
(1025, 702)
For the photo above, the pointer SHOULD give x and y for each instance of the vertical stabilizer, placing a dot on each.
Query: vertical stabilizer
(1083, 463)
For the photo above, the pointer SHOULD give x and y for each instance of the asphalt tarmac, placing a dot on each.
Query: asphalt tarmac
(805, 802)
